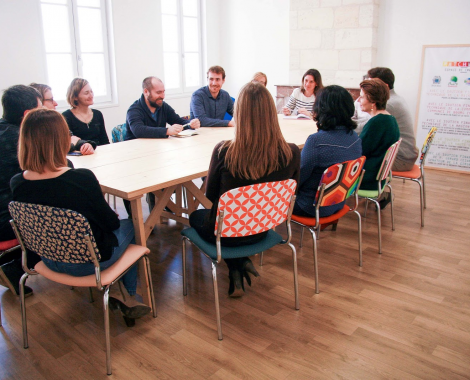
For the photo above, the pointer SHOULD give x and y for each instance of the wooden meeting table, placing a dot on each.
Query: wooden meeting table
(133, 168)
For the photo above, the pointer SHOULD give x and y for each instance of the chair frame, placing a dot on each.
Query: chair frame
(11, 249)
(315, 230)
(220, 220)
(384, 173)
(421, 179)
(105, 288)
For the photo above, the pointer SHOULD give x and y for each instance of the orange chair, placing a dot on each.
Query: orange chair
(339, 182)
(417, 173)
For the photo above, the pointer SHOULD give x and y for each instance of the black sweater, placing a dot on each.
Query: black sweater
(93, 131)
(77, 190)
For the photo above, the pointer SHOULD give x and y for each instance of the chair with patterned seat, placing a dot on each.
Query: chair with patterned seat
(247, 211)
(417, 173)
(338, 183)
(384, 177)
(65, 236)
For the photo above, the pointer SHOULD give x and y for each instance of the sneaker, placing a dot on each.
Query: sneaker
(10, 275)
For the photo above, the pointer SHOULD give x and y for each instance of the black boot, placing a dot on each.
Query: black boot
(246, 267)
(236, 287)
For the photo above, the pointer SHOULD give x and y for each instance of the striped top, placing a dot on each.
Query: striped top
(298, 100)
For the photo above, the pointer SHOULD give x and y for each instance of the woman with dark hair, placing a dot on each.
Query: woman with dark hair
(335, 142)
(258, 153)
(379, 133)
(302, 99)
(47, 180)
(84, 121)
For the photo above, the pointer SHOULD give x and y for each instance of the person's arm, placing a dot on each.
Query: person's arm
(369, 140)
(135, 121)
(103, 137)
(213, 178)
(307, 160)
(199, 112)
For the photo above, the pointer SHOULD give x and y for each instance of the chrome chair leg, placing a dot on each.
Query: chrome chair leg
(301, 236)
(391, 207)
(185, 290)
(90, 295)
(216, 300)
(365, 211)
(379, 225)
(296, 280)
(23, 310)
(424, 189)
(359, 231)
(106, 329)
(315, 260)
(261, 258)
(421, 200)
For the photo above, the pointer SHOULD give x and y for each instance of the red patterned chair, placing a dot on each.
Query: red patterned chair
(417, 173)
(247, 211)
(384, 174)
(339, 182)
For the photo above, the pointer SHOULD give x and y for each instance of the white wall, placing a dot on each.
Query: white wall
(405, 26)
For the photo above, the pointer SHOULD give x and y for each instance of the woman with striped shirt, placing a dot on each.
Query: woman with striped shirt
(302, 99)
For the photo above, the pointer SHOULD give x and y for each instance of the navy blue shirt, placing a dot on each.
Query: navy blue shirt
(210, 111)
(141, 123)
(321, 150)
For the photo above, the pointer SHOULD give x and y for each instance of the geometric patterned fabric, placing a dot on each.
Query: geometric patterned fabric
(253, 209)
(427, 144)
(340, 181)
(55, 233)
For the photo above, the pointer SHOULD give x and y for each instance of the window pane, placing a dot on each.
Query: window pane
(88, 3)
(170, 34)
(172, 70)
(192, 69)
(95, 73)
(55, 20)
(190, 8)
(55, 1)
(59, 73)
(169, 7)
(190, 34)
(91, 36)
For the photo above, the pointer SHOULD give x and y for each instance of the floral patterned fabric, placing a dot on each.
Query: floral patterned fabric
(54, 233)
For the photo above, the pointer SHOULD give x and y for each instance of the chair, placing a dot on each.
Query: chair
(118, 133)
(7, 246)
(339, 182)
(384, 174)
(65, 236)
(417, 173)
(246, 211)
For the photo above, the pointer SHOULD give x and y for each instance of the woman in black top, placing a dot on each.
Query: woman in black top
(46, 180)
(257, 154)
(82, 120)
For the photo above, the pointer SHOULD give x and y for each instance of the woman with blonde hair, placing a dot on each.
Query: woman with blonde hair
(258, 153)
(261, 78)
(84, 121)
(47, 180)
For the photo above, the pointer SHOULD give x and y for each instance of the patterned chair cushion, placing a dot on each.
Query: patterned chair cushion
(55, 233)
(256, 208)
(119, 133)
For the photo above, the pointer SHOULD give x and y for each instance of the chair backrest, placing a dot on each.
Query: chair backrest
(387, 163)
(118, 133)
(339, 182)
(253, 209)
(54, 233)
(427, 145)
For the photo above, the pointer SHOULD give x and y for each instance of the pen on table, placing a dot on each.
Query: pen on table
(186, 125)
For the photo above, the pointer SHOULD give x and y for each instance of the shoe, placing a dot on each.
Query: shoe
(10, 275)
(324, 226)
(129, 306)
(246, 267)
(385, 201)
(236, 287)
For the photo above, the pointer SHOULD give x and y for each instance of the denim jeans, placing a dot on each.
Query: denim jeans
(125, 236)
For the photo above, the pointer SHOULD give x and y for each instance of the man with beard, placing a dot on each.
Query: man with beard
(148, 116)
(210, 103)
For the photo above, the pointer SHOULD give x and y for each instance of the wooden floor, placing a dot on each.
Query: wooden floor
(404, 315)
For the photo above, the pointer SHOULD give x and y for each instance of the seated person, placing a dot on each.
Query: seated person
(335, 142)
(84, 121)
(380, 132)
(257, 154)
(210, 103)
(16, 102)
(148, 116)
(261, 78)
(302, 99)
(47, 180)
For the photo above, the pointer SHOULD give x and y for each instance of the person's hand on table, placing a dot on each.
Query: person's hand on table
(174, 129)
(286, 111)
(195, 124)
(305, 112)
(231, 123)
(86, 149)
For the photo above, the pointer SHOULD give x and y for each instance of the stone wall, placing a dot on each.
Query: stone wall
(336, 37)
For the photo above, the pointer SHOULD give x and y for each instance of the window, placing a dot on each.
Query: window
(76, 45)
(181, 33)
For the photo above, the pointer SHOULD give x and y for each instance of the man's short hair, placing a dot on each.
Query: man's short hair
(18, 99)
(147, 83)
(216, 70)
(383, 73)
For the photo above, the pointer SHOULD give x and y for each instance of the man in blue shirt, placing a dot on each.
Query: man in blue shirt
(210, 103)
(149, 115)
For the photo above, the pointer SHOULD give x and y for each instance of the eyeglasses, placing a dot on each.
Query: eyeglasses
(48, 100)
